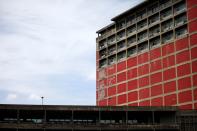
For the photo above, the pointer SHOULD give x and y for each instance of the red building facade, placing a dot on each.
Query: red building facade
(148, 56)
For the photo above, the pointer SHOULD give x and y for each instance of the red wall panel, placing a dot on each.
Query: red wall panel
(169, 74)
(112, 101)
(111, 69)
(144, 103)
(143, 58)
(132, 96)
(103, 102)
(168, 61)
(157, 101)
(195, 94)
(96, 95)
(191, 3)
(122, 99)
(121, 88)
(156, 65)
(168, 49)
(132, 73)
(194, 66)
(156, 90)
(185, 107)
(97, 64)
(185, 96)
(155, 78)
(193, 39)
(182, 44)
(97, 55)
(192, 13)
(182, 57)
(144, 69)
(133, 104)
(111, 80)
(144, 81)
(155, 53)
(112, 91)
(170, 100)
(132, 84)
(193, 26)
(194, 53)
(195, 105)
(144, 93)
(102, 83)
(102, 73)
(183, 70)
(121, 66)
(170, 87)
(184, 83)
(97, 75)
(121, 77)
(131, 62)
(194, 78)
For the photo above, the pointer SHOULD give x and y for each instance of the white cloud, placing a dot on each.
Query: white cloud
(40, 40)
(11, 96)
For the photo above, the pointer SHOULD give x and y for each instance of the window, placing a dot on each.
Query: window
(130, 20)
(121, 56)
(180, 20)
(131, 40)
(154, 42)
(179, 7)
(103, 54)
(167, 25)
(154, 31)
(141, 15)
(153, 8)
(143, 46)
(102, 63)
(153, 19)
(142, 24)
(121, 24)
(112, 59)
(166, 13)
(131, 51)
(112, 50)
(121, 45)
(111, 40)
(167, 37)
(142, 36)
(181, 31)
(121, 35)
(165, 3)
(102, 44)
(131, 30)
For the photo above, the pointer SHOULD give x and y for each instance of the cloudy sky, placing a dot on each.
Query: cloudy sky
(47, 48)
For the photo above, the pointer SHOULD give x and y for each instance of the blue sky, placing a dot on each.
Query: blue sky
(47, 48)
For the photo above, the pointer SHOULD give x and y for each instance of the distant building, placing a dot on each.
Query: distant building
(148, 56)
(92, 118)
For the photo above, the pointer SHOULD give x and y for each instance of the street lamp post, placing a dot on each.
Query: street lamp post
(42, 100)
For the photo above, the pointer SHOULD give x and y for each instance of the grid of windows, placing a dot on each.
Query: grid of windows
(160, 22)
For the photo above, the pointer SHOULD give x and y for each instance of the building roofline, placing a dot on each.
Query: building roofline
(102, 29)
(129, 10)
(88, 107)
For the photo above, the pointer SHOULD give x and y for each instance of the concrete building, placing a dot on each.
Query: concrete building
(92, 118)
(148, 56)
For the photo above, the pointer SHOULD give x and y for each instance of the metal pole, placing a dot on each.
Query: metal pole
(42, 99)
